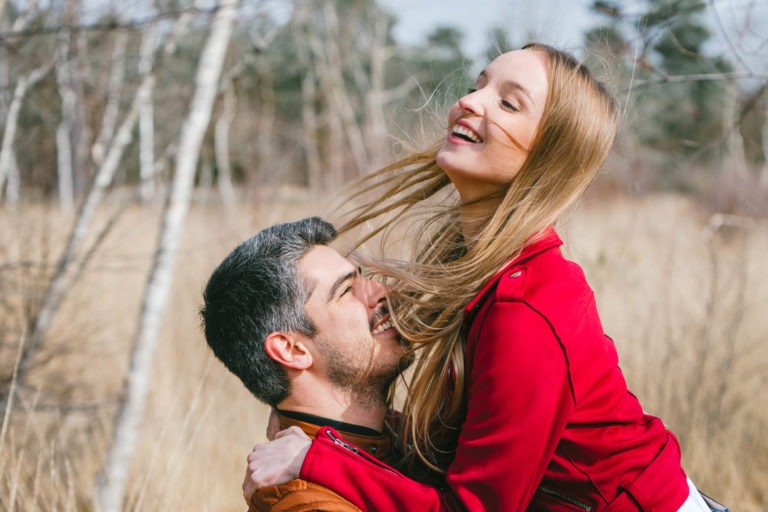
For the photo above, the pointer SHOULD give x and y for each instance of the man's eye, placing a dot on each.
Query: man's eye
(345, 291)
(471, 90)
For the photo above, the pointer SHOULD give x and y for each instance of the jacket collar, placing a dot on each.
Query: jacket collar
(538, 243)
(378, 445)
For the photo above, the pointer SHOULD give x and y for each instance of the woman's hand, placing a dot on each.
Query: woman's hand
(277, 461)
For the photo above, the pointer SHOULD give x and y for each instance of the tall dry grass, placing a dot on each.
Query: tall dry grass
(685, 305)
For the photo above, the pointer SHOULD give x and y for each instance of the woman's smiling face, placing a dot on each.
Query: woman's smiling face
(491, 128)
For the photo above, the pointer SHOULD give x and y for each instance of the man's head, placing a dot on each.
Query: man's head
(284, 302)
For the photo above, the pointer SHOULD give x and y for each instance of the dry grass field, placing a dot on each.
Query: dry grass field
(686, 304)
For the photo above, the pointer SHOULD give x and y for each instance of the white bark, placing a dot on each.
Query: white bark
(112, 106)
(113, 477)
(82, 74)
(64, 152)
(24, 17)
(58, 285)
(221, 146)
(13, 183)
(146, 120)
(12, 119)
(375, 125)
(182, 26)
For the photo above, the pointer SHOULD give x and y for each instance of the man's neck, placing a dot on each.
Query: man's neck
(337, 406)
(341, 426)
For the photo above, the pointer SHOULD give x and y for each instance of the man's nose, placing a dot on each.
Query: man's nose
(375, 293)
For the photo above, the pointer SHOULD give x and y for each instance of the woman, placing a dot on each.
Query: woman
(517, 400)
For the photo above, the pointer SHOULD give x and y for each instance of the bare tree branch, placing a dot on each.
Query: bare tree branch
(112, 479)
(11, 122)
(734, 50)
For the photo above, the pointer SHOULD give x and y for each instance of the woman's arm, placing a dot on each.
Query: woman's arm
(519, 396)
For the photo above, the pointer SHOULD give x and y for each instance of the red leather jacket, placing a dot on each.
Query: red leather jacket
(550, 422)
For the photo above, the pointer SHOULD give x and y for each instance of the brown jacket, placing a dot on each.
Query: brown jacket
(303, 496)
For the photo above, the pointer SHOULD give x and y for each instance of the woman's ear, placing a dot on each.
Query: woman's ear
(289, 349)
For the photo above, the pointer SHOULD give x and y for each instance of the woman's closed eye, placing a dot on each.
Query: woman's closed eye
(508, 105)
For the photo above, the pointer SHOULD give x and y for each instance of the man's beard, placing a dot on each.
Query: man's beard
(367, 384)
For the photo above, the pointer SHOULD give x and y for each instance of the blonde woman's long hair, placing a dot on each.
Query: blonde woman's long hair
(446, 270)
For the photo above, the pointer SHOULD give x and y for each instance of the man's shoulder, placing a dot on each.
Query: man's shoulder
(298, 496)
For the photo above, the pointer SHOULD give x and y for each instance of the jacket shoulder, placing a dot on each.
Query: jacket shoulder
(299, 496)
(545, 275)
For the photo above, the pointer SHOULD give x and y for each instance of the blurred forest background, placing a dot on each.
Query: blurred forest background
(140, 143)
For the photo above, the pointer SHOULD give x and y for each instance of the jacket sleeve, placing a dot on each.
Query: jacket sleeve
(519, 395)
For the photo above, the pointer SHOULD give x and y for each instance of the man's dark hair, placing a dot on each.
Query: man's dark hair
(257, 290)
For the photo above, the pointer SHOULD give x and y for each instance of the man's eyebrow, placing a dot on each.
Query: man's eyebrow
(341, 280)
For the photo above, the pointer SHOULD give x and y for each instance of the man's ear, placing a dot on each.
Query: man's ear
(288, 349)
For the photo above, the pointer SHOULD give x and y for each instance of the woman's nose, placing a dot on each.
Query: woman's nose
(471, 102)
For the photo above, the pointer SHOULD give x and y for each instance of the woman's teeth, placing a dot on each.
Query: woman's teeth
(465, 133)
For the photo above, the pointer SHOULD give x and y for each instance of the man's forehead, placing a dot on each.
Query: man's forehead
(321, 265)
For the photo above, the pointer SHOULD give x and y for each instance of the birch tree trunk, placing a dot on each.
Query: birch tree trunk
(375, 125)
(64, 151)
(13, 183)
(58, 285)
(82, 137)
(147, 120)
(112, 480)
(12, 119)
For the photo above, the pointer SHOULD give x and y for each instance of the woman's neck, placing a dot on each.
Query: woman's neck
(474, 216)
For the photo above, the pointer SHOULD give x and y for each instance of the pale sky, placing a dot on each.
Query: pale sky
(557, 22)
(739, 27)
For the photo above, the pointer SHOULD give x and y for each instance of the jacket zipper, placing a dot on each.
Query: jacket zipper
(342, 443)
(356, 451)
(563, 497)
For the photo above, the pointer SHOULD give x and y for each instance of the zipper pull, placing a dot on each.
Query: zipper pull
(342, 443)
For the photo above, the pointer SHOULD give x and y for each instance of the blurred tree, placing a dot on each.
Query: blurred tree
(664, 65)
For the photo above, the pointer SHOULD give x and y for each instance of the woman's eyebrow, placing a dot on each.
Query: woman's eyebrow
(509, 84)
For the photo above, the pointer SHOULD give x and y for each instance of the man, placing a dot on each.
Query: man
(310, 336)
